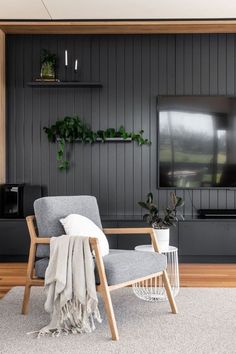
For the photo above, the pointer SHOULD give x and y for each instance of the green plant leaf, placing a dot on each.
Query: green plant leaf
(69, 129)
(149, 197)
(143, 205)
(170, 216)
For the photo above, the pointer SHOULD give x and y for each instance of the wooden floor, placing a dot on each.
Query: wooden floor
(191, 275)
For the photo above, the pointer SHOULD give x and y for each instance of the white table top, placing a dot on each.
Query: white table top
(149, 248)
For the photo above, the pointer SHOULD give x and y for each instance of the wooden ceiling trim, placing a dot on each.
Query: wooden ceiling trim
(118, 27)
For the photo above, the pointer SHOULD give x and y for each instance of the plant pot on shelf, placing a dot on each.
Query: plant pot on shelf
(47, 71)
(163, 238)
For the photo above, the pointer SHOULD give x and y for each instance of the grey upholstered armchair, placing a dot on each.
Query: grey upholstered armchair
(116, 270)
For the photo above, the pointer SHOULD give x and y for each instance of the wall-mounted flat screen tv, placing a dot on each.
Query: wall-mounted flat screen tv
(196, 142)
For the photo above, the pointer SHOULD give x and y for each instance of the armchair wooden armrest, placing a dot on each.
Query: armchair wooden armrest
(135, 231)
(128, 230)
(42, 240)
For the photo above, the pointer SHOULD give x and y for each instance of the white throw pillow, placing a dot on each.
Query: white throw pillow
(78, 225)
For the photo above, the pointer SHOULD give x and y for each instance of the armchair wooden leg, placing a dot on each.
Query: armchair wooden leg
(169, 292)
(25, 304)
(104, 289)
(30, 268)
(105, 293)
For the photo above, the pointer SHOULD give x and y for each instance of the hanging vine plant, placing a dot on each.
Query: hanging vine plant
(72, 129)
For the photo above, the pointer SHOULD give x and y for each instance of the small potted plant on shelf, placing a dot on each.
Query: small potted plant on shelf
(48, 66)
(162, 223)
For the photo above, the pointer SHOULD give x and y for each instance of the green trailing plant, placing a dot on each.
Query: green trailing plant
(72, 129)
(169, 217)
(48, 65)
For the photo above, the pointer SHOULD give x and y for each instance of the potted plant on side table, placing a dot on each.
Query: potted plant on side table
(162, 223)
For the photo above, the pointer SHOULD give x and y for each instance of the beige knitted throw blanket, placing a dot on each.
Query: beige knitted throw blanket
(71, 297)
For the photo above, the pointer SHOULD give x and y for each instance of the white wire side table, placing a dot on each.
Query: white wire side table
(153, 289)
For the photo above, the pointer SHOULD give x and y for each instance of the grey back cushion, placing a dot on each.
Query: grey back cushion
(49, 211)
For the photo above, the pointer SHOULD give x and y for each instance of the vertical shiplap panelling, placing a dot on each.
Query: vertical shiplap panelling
(95, 98)
(145, 149)
(205, 65)
(222, 65)
(87, 115)
(196, 201)
(188, 197)
(153, 114)
(133, 70)
(129, 196)
(53, 116)
(213, 64)
(196, 43)
(78, 104)
(188, 65)
(11, 111)
(230, 199)
(230, 62)
(213, 198)
(62, 107)
(205, 199)
(171, 60)
(234, 76)
(137, 94)
(222, 199)
(28, 109)
(112, 120)
(70, 108)
(179, 64)
(120, 113)
(103, 59)
(162, 66)
(36, 115)
(20, 151)
(44, 122)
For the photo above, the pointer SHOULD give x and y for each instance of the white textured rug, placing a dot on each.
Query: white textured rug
(206, 323)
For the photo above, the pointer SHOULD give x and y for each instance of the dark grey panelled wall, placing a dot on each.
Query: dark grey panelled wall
(133, 70)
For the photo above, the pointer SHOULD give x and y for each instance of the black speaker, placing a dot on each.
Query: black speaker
(12, 200)
(17, 200)
(30, 194)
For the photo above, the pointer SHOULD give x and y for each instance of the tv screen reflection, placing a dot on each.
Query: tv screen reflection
(197, 142)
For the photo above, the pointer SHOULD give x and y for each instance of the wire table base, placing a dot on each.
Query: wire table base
(153, 290)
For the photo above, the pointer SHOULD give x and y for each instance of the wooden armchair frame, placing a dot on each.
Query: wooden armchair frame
(103, 288)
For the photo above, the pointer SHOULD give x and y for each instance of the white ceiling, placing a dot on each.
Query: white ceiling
(23, 9)
(111, 9)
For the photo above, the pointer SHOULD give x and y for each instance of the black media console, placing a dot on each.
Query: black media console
(198, 239)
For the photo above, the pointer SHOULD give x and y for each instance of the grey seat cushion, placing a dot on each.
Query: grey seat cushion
(121, 265)
(49, 211)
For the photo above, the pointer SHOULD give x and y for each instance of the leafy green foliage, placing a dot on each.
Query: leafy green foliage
(170, 216)
(71, 129)
(48, 57)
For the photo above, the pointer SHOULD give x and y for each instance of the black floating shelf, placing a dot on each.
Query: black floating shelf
(64, 84)
(109, 140)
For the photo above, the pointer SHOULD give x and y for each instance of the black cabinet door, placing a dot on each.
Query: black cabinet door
(207, 238)
(14, 238)
(128, 242)
(112, 239)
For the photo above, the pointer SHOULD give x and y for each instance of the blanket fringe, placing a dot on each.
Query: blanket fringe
(75, 318)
